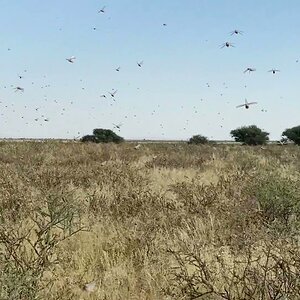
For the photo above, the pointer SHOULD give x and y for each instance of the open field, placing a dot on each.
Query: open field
(166, 221)
(144, 141)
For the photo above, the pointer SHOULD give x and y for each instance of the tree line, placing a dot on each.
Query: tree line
(247, 135)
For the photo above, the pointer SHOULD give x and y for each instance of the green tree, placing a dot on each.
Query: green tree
(102, 136)
(293, 134)
(250, 135)
(198, 139)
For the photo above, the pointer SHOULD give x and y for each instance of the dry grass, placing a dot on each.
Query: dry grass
(162, 222)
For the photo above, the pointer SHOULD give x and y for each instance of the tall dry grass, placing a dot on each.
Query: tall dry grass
(167, 221)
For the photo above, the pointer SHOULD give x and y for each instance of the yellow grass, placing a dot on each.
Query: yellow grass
(161, 222)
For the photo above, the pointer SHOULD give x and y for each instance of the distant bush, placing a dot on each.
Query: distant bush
(89, 138)
(198, 139)
(102, 136)
(293, 134)
(250, 135)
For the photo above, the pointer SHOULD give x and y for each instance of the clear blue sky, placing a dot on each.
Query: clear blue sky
(187, 84)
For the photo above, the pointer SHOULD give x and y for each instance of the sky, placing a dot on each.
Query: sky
(186, 85)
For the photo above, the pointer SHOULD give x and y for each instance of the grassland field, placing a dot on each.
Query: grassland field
(166, 221)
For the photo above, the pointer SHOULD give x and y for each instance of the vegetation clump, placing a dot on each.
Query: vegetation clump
(293, 134)
(102, 136)
(89, 138)
(250, 135)
(198, 140)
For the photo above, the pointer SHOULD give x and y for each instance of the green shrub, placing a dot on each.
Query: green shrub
(279, 200)
(102, 136)
(293, 134)
(107, 136)
(29, 252)
(198, 139)
(250, 135)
